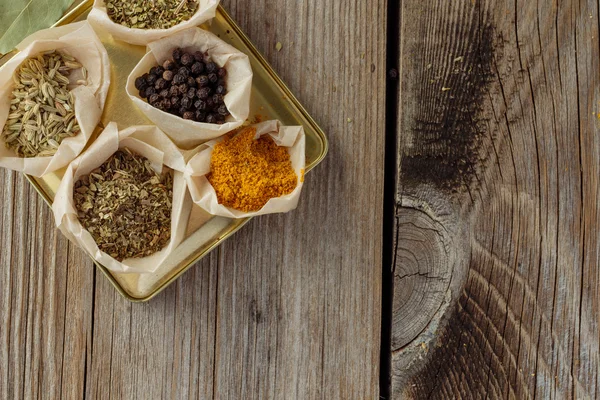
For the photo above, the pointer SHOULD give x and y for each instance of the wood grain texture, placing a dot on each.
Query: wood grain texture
(498, 124)
(289, 307)
(45, 304)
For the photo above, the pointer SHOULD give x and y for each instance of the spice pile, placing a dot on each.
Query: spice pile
(42, 108)
(189, 85)
(126, 206)
(150, 14)
(247, 173)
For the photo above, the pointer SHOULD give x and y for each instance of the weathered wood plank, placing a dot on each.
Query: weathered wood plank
(299, 294)
(289, 308)
(162, 349)
(499, 139)
(46, 303)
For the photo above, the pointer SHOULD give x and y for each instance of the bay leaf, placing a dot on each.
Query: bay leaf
(20, 18)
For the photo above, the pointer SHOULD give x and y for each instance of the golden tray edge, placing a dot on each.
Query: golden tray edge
(290, 97)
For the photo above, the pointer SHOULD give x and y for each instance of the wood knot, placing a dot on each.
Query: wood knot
(422, 274)
(430, 262)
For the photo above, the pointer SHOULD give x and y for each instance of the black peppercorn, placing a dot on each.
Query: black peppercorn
(210, 119)
(150, 91)
(169, 65)
(200, 105)
(168, 75)
(211, 67)
(177, 53)
(153, 99)
(140, 83)
(160, 84)
(222, 110)
(151, 78)
(178, 79)
(164, 104)
(200, 116)
(197, 68)
(202, 81)
(184, 71)
(186, 103)
(158, 71)
(204, 93)
(187, 59)
(178, 86)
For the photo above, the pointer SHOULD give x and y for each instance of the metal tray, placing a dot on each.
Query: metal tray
(270, 99)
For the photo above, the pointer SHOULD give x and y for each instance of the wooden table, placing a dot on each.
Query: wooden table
(447, 247)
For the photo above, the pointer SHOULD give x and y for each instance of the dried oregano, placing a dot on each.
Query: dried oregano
(150, 14)
(42, 108)
(126, 206)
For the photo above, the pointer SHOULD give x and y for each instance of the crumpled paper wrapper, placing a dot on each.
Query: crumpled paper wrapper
(99, 19)
(204, 195)
(147, 141)
(187, 134)
(80, 41)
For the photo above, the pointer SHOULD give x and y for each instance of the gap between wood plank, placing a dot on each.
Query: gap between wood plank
(389, 194)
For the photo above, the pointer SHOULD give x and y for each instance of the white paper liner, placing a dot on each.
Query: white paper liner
(147, 141)
(80, 41)
(185, 133)
(100, 20)
(204, 195)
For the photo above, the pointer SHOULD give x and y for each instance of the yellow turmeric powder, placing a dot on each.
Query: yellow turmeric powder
(246, 173)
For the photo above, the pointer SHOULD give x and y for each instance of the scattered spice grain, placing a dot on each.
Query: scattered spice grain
(246, 172)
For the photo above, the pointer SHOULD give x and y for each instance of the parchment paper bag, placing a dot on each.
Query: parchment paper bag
(100, 20)
(147, 141)
(185, 133)
(204, 195)
(79, 41)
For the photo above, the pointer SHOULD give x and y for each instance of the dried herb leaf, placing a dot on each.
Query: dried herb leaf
(20, 18)
(126, 206)
(144, 14)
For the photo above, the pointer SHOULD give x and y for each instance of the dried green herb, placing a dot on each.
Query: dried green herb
(150, 14)
(126, 206)
(42, 108)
